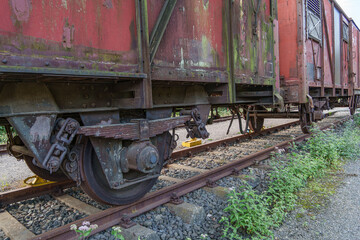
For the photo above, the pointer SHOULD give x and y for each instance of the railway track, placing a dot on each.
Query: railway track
(188, 172)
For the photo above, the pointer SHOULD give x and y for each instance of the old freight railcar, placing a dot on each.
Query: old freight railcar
(319, 57)
(92, 87)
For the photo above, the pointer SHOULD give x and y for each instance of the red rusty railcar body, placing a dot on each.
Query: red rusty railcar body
(319, 61)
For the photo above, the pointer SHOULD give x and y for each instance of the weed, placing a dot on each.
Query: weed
(116, 232)
(258, 213)
(4, 185)
(85, 230)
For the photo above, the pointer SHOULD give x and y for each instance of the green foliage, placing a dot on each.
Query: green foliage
(4, 185)
(248, 211)
(85, 230)
(3, 136)
(116, 232)
(257, 213)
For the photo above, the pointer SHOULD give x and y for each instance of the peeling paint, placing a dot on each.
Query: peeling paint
(64, 4)
(108, 4)
(182, 58)
(40, 131)
(21, 9)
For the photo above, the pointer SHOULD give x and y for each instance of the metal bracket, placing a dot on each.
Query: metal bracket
(211, 183)
(125, 222)
(175, 199)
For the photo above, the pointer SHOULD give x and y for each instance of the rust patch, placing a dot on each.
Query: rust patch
(21, 9)
(108, 4)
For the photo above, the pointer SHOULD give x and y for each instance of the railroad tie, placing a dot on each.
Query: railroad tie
(13, 228)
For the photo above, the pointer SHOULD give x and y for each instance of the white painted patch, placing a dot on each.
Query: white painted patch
(182, 59)
(40, 131)
(64, 4)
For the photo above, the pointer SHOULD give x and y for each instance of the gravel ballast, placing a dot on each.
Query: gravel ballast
(43, 214)
(3, 236)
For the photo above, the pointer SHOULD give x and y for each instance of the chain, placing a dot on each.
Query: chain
(196, 128)
(67, 131)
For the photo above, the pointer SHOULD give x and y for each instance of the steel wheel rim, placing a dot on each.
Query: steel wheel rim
(95, 185)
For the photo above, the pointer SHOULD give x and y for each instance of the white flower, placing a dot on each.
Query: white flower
(209, 215)
(93, 226)
(203, 236)
(84, 228)
(86, 223)
(73, 227)
(117, 229)
(231, 188)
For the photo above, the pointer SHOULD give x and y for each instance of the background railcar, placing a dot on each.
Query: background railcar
(318, 56)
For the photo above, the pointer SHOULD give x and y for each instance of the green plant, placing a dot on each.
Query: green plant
(4, 185)
(203, 236)
(257, 213)
(3, 136)
(249, 212)
(84, 230)
(116, 232)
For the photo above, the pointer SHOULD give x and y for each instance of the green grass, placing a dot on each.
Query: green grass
(298, 177)
(3, 136)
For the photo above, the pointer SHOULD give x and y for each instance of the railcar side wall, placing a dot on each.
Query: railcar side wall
(91, 35)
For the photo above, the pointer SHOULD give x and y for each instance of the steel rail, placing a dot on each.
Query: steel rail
(205, 147)
(33, 191)
(122, 214)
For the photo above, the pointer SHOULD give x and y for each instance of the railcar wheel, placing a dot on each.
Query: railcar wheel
(43, 173)
(96, 186)
(306, 118)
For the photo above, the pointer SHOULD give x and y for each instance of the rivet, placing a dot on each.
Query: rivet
(108, 104)
(84, 105)
(93, 105)
(4, 61)
(82, 66)
(111, 69)
(47, 64)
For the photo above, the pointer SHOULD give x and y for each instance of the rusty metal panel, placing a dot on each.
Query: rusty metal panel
(193, 47)
(253, 41)
(337, 46)
(288, 40)
(69, 34)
